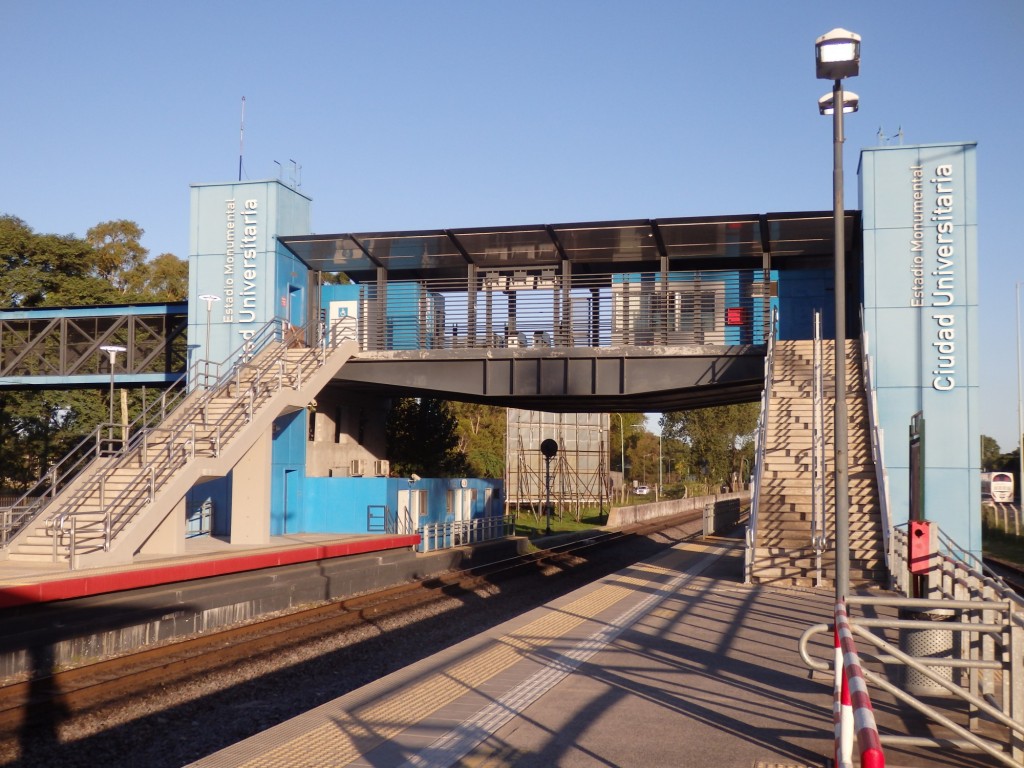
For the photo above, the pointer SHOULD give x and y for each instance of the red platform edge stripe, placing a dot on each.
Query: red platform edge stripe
(104, 583)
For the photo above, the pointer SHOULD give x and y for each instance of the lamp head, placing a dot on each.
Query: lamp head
(851, 103)
(837, 54)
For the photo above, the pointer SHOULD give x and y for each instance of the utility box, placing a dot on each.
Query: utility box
(921, 537)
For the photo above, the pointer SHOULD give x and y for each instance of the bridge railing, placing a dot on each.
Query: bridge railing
(521, 310)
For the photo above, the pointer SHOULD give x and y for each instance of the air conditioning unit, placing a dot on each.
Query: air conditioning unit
(358, 467)
(382, 468)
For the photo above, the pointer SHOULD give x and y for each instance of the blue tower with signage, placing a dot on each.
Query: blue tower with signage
(920, 311)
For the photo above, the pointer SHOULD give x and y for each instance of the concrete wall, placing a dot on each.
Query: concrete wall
(623, 516)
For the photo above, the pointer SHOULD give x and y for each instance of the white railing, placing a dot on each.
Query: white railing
(434, 536)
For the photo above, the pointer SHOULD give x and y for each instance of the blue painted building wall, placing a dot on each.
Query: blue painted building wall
(234, 255)
(921, 300)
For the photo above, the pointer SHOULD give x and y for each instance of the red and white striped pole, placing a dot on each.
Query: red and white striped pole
(851, 709)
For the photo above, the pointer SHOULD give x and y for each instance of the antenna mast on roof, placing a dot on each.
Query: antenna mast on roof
(241, 140)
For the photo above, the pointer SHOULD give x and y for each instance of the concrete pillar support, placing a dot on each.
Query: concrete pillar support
(250, 494)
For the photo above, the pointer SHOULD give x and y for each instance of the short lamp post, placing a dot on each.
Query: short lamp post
(837, 55)
(112, 351)
(550, 449)
(209, 298)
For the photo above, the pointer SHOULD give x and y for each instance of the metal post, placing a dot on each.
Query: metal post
(549, 448)
(1020, 410)
(840, 437)
(622, 456)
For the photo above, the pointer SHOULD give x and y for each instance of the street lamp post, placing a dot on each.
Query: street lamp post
(658, 494)
(622, 456)
(837, 55)
(112, 350)
(209, 298)
(1020, 410)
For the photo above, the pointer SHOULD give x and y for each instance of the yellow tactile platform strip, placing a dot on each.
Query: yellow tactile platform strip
(347, 735)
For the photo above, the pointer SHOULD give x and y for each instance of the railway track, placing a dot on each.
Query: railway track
(80, 690)
(1009, 572)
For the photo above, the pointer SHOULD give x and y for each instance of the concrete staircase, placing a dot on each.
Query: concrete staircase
(111, 509)
(784, 552)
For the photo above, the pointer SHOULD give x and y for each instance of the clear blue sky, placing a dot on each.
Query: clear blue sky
(407, 115)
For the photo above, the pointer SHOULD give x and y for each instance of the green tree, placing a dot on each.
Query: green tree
(38, 427)
(481, 430)
(718, 438)
(164, 278)
(46, 270)
(990, 453)
(422, 437)
(117, 251)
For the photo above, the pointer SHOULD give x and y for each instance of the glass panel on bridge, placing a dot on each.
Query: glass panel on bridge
(497, 248)
(689, 238)
(626, 241)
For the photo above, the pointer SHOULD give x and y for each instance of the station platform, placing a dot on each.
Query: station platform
(669, 663)
(30, 583)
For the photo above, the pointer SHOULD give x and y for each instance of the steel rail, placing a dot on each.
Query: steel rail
(113, 680)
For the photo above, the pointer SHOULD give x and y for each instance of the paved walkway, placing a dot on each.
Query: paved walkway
(669, 663)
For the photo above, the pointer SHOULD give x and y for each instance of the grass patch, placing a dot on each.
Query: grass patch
(532, 526)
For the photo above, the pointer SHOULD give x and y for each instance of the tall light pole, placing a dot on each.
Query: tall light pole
(837, 55)
(660, 431)
(112, 350)
(622, 454)
(1020, 410)
(209, 298)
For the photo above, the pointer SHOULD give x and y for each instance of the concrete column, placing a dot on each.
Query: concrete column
(169, 536)
(250, 494)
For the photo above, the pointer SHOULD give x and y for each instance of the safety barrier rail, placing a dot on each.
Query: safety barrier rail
(694, 307)
(200, 425)
(853, 716)
(964, 641)
(760, 441)
(434, 536)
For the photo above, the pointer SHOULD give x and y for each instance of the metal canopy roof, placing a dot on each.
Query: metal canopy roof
(596, 247)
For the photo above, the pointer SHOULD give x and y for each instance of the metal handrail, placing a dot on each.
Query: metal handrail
(101, 441)
(760, 441)
(187, 433)
(819, 532)
(877, 439)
